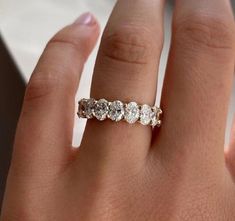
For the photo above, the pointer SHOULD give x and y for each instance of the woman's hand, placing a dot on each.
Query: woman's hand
(122, 171)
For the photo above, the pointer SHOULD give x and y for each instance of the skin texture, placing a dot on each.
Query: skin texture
(129, 172)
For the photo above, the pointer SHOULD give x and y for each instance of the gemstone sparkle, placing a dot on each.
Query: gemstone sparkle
(145, 114)
(101, 109)
(132, 112)
(86, 107)
(116, 111)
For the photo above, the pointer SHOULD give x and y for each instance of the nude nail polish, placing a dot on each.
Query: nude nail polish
(85, 19)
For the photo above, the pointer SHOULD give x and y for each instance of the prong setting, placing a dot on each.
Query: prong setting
(118, 111)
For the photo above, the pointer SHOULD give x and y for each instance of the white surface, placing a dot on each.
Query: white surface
(27, 25)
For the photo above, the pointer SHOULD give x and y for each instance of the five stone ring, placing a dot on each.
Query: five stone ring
(117, 111)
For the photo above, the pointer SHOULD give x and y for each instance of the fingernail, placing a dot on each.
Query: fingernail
(85, 19)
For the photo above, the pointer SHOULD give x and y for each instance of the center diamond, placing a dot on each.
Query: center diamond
(132, 112)
(116, 111)
(101, 109)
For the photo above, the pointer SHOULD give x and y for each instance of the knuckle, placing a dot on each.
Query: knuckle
(40, 85)
(47, 83)
(65, 43)
(205, 31)
(129, 44)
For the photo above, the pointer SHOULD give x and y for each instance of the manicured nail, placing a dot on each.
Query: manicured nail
(85, 19)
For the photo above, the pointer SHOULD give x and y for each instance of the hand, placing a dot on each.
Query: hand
(122, 171)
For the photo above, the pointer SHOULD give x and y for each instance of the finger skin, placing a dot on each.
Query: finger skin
(197, 85)
(44, 133)
(42, 149)
(230, 152)
(126, 70)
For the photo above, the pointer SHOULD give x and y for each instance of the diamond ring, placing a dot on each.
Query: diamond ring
(117, 111)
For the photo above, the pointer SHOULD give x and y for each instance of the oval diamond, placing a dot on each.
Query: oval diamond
(155, 116)
(116, 111)
(132, 112)
(85, 108)
(154, 120)
(89, 108)
(81, 108)
(145, 114)
(101, 109)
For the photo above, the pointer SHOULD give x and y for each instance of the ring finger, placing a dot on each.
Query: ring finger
(126, 70)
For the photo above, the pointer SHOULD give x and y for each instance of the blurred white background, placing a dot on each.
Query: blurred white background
(27, 25)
